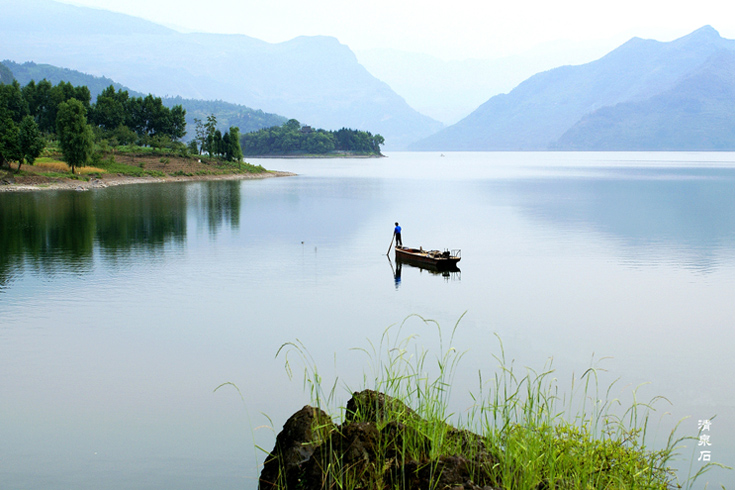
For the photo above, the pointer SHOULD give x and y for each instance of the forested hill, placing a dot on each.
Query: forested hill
(228, 115)
(294, 139)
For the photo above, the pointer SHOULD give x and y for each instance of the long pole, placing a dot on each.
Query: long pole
(391, 243)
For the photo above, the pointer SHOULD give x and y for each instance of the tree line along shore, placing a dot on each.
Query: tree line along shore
(45, 128)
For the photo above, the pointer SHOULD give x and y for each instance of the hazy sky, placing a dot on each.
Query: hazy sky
(450, 29)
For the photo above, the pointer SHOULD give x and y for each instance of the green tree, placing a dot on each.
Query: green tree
(65, 91)
(193, 147)
(9, 147)
(218, 145)
(210, 128)
(234, 150)
(29, 141)
(148, 117)
(177, 123)
(43, 101)
(110, 110)
(124, 135)
(41, 104)
(319, 142)
(75, 135)
(200, 133)
(11, 97)
(292, 125)
(378, 141)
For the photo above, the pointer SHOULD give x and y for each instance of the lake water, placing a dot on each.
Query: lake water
(122, 309)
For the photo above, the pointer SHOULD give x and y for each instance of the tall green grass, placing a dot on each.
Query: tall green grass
(538, 436)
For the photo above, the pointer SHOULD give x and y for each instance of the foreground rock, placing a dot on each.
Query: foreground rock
(382, 444)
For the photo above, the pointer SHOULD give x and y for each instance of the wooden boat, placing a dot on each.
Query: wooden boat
(433, 258)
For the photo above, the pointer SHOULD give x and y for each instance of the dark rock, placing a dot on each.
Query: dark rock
(443, 473)
(397, 437)
(351, 454)
(302, 433)
(372, 406)
(380, 445)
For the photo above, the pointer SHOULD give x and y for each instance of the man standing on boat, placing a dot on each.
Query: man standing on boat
(397, 233)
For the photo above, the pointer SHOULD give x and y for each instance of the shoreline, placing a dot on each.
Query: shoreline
(311, 156)
(111, 180)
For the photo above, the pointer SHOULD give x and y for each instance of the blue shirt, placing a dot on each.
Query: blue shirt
(398, 230)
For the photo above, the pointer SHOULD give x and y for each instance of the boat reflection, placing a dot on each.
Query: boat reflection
(448, 272)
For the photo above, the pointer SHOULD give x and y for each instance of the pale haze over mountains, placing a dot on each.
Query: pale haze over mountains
(321, 82)
(314, 79)
(449, 90)
(643, 95)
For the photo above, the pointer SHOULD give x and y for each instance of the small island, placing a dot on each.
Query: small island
(293, 139)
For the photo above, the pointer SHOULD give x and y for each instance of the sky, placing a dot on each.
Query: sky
(449, 29)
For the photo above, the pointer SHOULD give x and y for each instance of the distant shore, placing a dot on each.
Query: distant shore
(317, 156)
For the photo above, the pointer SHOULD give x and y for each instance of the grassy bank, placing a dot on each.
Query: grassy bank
(521, 432)
(124, 162)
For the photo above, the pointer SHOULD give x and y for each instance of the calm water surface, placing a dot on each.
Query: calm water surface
(122, 309)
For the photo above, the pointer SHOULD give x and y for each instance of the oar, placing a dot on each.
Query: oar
(391, 243)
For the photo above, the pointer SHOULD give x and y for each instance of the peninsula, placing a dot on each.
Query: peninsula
(119, 168)
(53, 136)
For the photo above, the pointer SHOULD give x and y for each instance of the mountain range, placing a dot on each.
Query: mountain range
(449, 90)
(314, 79)
(645, 94)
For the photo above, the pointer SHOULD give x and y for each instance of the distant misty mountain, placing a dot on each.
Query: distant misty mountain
(643, 95)
(450, 90)
(227, 114)
(6, 76)
(314, 79)
(698, 113)
(25, 72)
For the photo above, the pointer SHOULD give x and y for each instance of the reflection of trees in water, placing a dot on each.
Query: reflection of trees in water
(143, 220)
(58, 231)
(46, 232)
(218, 204)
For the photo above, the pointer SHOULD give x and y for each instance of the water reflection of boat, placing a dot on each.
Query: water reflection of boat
(451, 272)
(432, 259)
